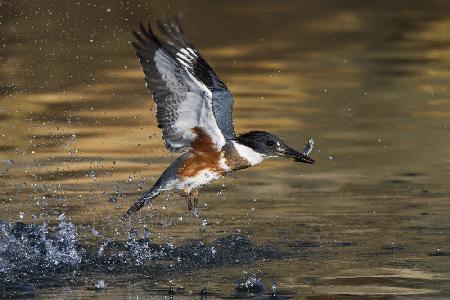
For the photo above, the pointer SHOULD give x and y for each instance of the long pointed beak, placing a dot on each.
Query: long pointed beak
(297, 156)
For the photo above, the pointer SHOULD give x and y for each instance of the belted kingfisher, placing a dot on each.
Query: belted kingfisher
(194, 111)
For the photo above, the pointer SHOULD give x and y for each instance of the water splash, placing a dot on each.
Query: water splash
(251, 284)
(30, 248)
(43, 255)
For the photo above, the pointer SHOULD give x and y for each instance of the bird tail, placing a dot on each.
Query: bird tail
(141, 202)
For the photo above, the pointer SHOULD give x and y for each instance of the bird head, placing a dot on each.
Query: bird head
(270, 145)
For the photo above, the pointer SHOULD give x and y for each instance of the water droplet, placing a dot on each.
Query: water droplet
(251, 284)
(147, 235)
(203, 291)
(103, 246)
(100, 284)
(274, 289)
(171, 290)
(331, 157)
(95, 232)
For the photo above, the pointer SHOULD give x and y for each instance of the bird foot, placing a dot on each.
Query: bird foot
(196, 207)
(193, 207)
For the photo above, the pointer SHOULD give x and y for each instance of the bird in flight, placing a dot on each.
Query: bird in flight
(194, 111)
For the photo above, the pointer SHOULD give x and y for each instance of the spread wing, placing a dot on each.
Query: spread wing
(187, 92)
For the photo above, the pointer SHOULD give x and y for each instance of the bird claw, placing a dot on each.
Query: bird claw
(193, 207)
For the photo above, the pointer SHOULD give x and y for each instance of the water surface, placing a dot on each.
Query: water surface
(79, 143)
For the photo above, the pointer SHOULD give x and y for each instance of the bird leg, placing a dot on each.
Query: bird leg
(194, 195)
(188, 198)
(191, 205)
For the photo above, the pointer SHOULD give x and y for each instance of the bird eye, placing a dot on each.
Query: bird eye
(270, 143)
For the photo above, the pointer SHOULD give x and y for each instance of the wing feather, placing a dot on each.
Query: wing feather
(183, 102)
(187, 92)
(192, 60)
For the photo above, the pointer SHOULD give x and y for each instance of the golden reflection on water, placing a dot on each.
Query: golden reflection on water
(368, 81)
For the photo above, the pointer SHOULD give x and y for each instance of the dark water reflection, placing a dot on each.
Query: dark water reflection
(368, 80)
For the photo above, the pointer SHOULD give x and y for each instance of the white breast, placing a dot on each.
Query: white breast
(248, 153)
(202, 178)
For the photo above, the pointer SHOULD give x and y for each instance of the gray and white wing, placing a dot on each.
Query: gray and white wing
(187, 92)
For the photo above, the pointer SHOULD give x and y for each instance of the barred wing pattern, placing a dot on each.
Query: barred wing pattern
(187, 92)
